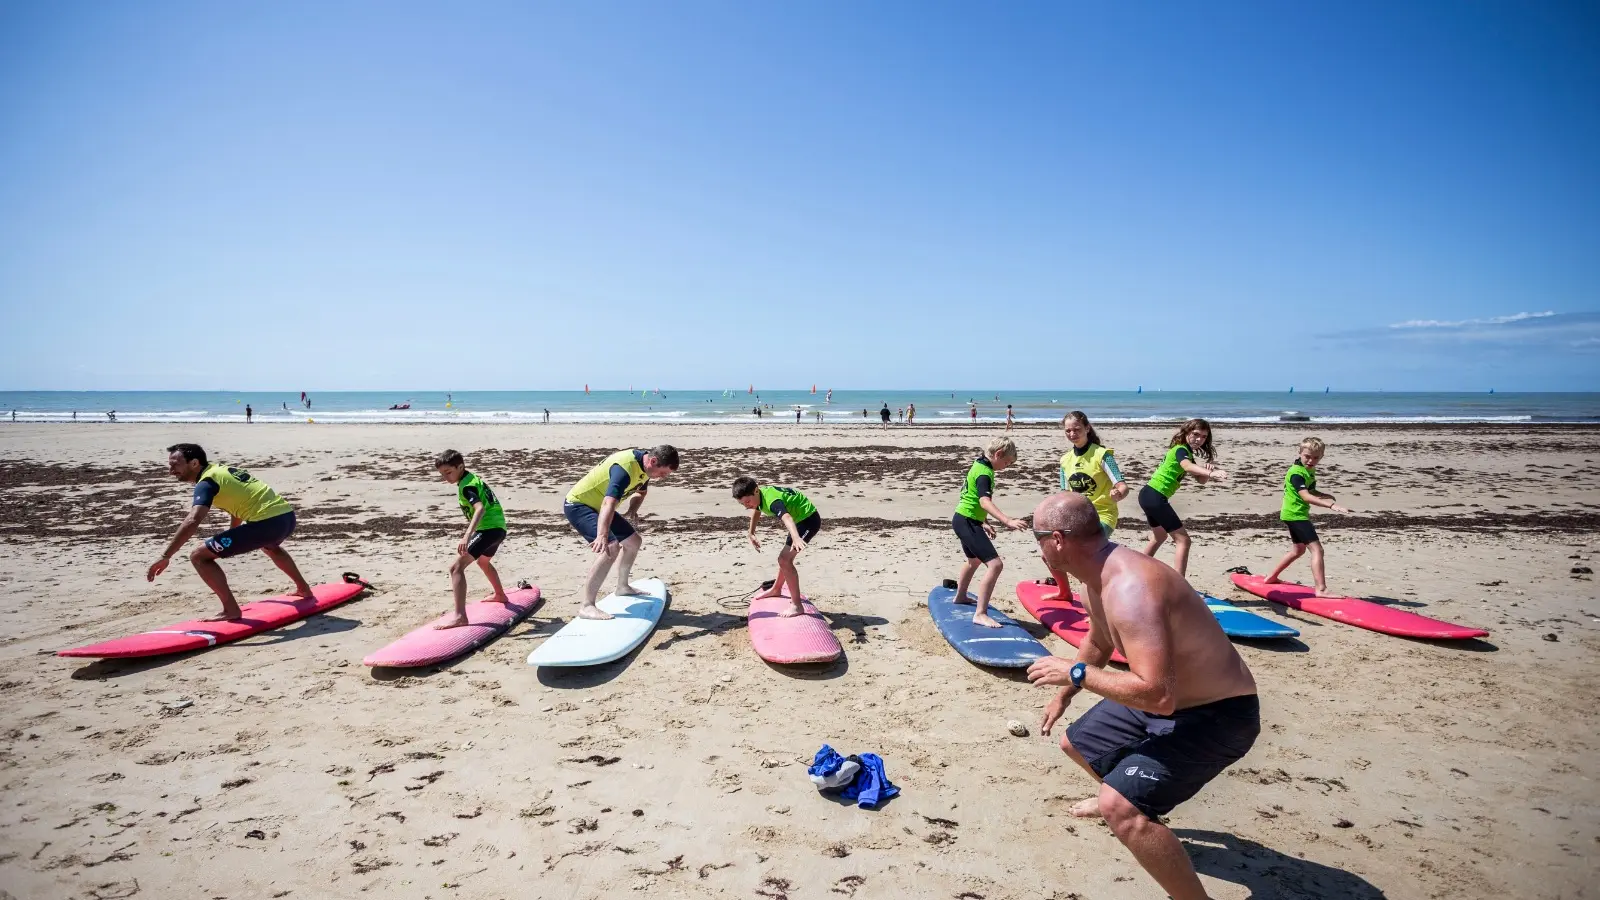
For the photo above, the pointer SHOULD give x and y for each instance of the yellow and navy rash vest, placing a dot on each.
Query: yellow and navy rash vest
(1092, 471)
(591, 489)
(238, 493)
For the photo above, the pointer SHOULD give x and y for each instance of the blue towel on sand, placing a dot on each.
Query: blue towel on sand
(871, 785)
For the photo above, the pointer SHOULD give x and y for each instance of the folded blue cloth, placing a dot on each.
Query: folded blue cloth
(871, 785)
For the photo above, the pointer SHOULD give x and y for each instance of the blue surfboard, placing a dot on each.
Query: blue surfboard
(1242, 623)
(1006, 647)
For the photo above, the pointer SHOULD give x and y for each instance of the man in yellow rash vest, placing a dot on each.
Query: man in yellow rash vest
(260, 520)
(591, 507)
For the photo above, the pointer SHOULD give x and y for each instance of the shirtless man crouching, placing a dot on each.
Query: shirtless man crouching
(1185, 710)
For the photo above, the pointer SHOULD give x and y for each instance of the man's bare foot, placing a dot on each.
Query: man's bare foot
(304, 592)
(984, 620)
(794, 609)
(228, 615)
(1087, 809)
(593, 612)
(455, 622)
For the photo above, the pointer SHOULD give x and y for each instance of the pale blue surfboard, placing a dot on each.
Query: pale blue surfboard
(590, 642)
(1242, 623)
(1007, 647)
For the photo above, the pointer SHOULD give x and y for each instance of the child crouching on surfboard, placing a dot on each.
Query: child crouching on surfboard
(1189, 445)
(798, 516)
(486, 529)
(971, 525)
(1299, 495)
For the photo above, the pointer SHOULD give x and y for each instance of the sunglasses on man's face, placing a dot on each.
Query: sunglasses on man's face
(1041, 535)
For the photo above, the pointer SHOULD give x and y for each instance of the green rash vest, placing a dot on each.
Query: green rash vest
(794, 503)
(1295, 507)
(971, 493)
(471, 489)
(1169, 474)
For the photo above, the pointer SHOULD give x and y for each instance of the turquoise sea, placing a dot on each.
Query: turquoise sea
(778, 406)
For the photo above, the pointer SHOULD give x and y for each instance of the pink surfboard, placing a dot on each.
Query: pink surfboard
(790, 640)
(1360, 613)
(1069, 620)
(262, 615)
(486, 620)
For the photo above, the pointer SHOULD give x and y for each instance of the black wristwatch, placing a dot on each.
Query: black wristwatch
(1078, 671)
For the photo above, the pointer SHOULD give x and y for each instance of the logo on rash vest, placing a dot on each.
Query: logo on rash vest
(1131, 770)
(1080, 482)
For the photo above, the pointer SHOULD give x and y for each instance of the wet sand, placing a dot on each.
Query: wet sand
(1386, 767)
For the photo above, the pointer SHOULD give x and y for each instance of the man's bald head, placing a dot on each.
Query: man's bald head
(1067, 512)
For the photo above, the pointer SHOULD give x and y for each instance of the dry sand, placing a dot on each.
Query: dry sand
(1386, 767)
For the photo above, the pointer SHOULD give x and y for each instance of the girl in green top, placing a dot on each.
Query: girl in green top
(798, 516)
(971, 525)
(1299, 495)
(486, 529)
(1189, 445)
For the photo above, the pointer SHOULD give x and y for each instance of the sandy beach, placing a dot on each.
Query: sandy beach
(1386, 767)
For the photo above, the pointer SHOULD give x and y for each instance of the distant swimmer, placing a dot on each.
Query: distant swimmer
(971, 525)
(591, 508)
(259, 519)
(1185, 709)
(900, 414)
(797, 515)
(1299, 495)
(1089, 469)
(1189, 445)
(486, 530)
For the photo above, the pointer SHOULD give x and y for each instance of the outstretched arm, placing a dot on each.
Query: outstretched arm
(1317, 498)
(191, 524)
(989, 507)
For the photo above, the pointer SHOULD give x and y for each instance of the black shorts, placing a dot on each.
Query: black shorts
(808, 529)
(975, 542)
(1302, 531)
(252, 536)
(1158, 510)
(485, 542)
(586, 519)
(1157, 762)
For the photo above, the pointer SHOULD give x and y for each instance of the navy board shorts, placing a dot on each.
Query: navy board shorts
(1302, 531)
(484, 543)
(1158, 510)
(252, 536)
(586, 519)
(808, 529)
(975, 541)
(1157, 762)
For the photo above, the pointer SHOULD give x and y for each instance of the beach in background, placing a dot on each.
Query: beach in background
(846, 407)
(1386, 767)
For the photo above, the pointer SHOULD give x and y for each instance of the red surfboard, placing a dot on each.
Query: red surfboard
(1360, 613)
(1067, 618)
(262, 615)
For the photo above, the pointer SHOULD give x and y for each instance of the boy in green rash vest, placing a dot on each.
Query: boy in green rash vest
(486, 529)
(259, 519)
(591, 509)
(1189, 445)
(971, 525)
(798, 517)
(1299, 495)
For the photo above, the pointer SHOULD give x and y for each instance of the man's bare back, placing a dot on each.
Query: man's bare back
(1138, 592)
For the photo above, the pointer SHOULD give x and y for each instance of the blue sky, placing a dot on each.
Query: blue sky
(1052, 195)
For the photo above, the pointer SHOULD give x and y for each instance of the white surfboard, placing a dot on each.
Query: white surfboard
(589, 642)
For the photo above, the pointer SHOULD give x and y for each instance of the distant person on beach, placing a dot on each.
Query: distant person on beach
(971, 525)
(112, 415)
(797, 515)
(1009, 417)
(74, 415)
(591, 508)
(972, 412)
(911, 413)
(249, 414)
(900, 415)
(486, 530)
(1189, 445)
(884, 415)
(13, 415)
(285, 406)
(1185, 709)
(547, 416)
(259, 519)
(1088, 468)
(1299, 495)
